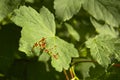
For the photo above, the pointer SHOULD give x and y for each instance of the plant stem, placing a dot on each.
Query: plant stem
(67, 78)
(76, 61)
(71, 73)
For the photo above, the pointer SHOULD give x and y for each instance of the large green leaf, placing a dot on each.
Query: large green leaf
(65, 9)
(104, 10)
(34, 26)
(7, 6)
(38, 37)
(103, 48)
(104, 29)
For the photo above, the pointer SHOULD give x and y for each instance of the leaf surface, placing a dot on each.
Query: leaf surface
(103, 10)
(61, 52)
(104, 29)
(38, 37)
(65, 9)
(34, 26)
(103, 49)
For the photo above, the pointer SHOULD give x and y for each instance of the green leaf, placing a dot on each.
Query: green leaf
(38, 31)
(7, 6)
(34, 26)
(103, 49)
(84, 68)
(65, 9)
(103, 10)
(61, 52)
(72, 32)
(104, 29)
